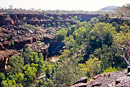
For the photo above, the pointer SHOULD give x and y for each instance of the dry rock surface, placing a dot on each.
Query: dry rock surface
(113, 79)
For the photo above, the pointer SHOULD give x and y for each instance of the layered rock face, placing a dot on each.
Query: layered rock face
(18, 37)
(40, 19)
(15, 38)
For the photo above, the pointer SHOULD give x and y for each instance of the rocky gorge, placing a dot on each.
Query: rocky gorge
(18, 31)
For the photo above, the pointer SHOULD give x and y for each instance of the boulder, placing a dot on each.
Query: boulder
(4, 57)
(79, 85)
(82, 82)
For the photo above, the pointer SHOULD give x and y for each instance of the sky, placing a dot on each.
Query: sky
(86, 5)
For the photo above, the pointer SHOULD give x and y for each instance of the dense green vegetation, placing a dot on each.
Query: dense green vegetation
(92, 47)
(26, 69)
(94, 42)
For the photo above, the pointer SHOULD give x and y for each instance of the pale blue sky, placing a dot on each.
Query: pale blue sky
(87, 5)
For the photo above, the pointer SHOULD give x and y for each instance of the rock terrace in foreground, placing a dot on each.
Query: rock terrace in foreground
(113, 79)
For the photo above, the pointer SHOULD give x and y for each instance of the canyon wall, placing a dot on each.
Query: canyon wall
(40, 19)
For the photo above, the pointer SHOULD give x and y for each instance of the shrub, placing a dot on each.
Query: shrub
(5, 39)
(24, 18)
(12, 43)
(91, 67)
(110, 70)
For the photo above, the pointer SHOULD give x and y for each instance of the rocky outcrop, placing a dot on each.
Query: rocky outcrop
(15, 18)
(82, 82)
(113, 79)
(6, 20)
(110, 79)
(15, 37)
(4, 57)
(40, 19)
(119, 20)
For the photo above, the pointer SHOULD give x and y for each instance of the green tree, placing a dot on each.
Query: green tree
(2, 76)
(102, 33)
(30, 73)
(48, 83)
(94, 20)
(48, 70)
(67, 73)
(61, 34)
(52, 18)
(10, 83)
(91, 67)
(19, 77)
(16, 64)
(69, 41)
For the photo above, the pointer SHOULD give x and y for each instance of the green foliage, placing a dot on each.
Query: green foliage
(75, 17)
(60, 18)
(30, 73)
(48, 70)
(102, 33)
(19, 77)
(51, 17)
(48, 83)
(8, 16)
(94, 20)
(65, 53)
(67, 73)
(91, 67)
(2, 76)
(49, 25)
(58, 23)
(23, 70)
(104, 18)
(69, 41)
(10, 83)
(117, 26)
(67, 24)
(5, 39)
(108, 56)
(16, 64)
(24, 18)
(53, 23)
(30, 57)
(110, 70)
(94, 42)
(61, 34)
(43, 25)
(12, 43)
(120, 39)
